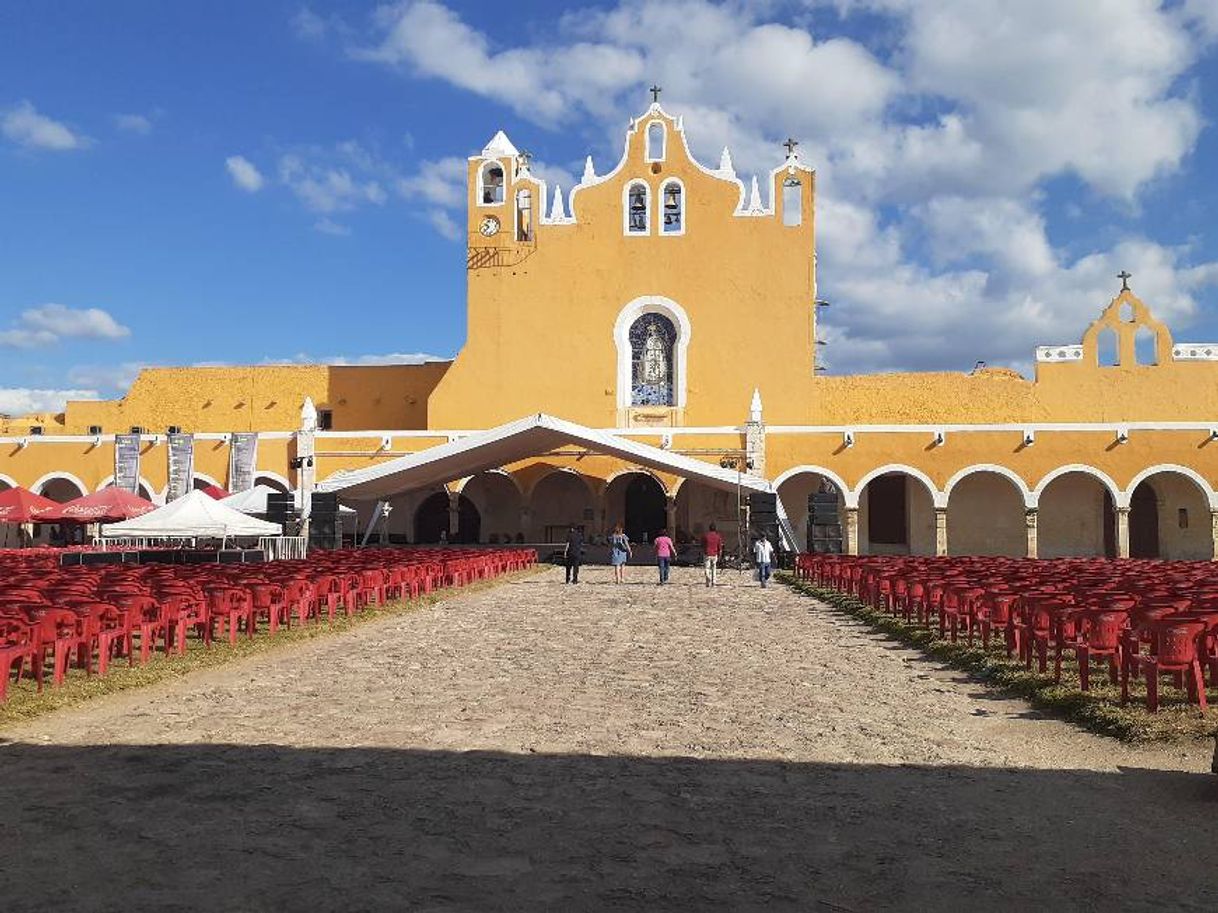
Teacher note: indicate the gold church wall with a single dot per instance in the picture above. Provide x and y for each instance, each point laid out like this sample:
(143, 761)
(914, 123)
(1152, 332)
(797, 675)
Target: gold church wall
(253, 398)
(542, 312)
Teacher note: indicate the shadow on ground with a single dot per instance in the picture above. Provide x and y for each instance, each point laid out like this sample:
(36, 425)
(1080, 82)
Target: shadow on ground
(205, 827)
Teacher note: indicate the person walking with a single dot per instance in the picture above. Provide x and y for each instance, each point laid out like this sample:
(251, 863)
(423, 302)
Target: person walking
(573, 553)
(763, 554)
(665, 550)
(619, 553)
(712, 548)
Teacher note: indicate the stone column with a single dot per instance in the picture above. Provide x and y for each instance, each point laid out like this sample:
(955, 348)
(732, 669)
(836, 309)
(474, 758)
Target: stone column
(526, 522)
(1214, 531)
(1031, 518)
(852, 531)
(670, 515)
(454, 514)
(940, 532)
(1122, 532)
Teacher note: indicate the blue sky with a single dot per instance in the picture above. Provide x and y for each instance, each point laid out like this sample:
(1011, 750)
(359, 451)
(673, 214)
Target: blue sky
(243, 182)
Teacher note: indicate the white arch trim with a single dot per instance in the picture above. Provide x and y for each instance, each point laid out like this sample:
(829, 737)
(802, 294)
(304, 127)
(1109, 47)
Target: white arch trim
(462, 484)
(1118, 496)
(642, 472)
(267, 474)
(651, 304)
(66, 476)
(204, 477)
(648, 199)
(157, 497)
(587, 482)
(9, 481)
(660, 208)
(817, 470)
(938, 498)
(1197, 479)
(1029, 500)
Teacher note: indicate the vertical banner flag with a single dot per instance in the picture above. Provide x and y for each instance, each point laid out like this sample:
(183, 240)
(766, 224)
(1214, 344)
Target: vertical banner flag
(181, 465)
(127, 462)
(242, 457)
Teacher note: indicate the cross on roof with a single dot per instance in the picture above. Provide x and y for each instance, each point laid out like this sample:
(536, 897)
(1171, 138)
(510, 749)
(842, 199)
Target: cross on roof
(525, 158)
(1124, 275)
(655, 92)
(790, 144)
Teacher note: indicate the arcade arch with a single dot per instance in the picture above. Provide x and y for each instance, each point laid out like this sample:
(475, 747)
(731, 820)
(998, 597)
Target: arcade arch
(557, 501)
(896, 512)
(498, 499)
(987, 513)
(796, 488)
(1076, 517)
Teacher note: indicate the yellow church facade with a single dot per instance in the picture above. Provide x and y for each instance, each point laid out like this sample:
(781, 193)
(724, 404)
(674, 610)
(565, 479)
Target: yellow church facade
(674, 305)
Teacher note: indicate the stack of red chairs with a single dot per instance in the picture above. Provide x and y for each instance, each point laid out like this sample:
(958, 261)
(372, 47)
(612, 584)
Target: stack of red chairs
(1140, 617)
(90, 615)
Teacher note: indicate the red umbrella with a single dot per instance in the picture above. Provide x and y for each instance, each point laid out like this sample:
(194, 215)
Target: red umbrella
(215, 491)
(20, 506)
(106, 506)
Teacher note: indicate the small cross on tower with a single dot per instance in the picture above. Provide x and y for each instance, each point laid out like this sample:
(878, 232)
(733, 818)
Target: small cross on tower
(1124, 275)
(790, 144)
(655, 93)
(525, 158)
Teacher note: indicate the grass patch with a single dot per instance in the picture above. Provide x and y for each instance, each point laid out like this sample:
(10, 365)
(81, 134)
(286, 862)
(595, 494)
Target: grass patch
(26, 702)
(1098, 710)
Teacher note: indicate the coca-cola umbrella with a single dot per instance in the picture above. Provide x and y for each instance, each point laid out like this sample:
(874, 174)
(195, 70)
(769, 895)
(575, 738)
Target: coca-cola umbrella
(110, 505)
(18, 505)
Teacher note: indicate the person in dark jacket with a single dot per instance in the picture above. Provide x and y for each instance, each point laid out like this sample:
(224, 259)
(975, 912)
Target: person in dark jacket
(573, 553)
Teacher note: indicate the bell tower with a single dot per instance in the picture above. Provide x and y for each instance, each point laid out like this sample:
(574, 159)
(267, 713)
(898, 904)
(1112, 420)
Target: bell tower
(504, 203)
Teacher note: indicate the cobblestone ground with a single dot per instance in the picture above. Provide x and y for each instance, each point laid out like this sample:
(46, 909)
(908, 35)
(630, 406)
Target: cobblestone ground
(536, 746)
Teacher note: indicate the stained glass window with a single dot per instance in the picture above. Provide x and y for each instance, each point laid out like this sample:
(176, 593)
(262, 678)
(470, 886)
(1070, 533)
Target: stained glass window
(652, 339)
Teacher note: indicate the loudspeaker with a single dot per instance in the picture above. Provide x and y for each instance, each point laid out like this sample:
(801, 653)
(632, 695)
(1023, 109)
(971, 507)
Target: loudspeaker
(325, 503)
(763, 504)
(280, 507)
(824, 509)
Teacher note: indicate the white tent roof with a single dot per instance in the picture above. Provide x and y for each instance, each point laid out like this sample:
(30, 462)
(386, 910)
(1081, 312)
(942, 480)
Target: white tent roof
(518, 440)
(195, 514)
(254, 500)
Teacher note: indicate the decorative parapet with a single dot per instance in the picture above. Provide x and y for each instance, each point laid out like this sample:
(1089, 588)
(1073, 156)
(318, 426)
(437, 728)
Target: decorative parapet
(1059, 353)
(1195, 351)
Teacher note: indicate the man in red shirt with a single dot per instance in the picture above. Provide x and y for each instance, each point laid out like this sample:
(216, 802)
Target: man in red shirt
(712, 548)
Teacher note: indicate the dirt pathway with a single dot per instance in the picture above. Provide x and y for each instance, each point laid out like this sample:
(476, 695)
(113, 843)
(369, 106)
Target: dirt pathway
(536, 747)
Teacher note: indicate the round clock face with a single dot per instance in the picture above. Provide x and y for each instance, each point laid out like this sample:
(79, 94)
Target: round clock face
(489, 226)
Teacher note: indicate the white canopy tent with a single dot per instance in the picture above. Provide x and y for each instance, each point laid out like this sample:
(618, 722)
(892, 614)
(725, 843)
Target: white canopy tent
(196, 514)
(254, 501)
(532, 436)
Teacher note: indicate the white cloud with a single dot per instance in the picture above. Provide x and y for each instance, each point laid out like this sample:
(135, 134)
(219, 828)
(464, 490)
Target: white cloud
(391, 358)
(445, 224)
(117, 378)
(441, 182)
(49, 323)
(133, 123)
(244, 173)
(330, 227)
(85, 323)
(24, 400)
(932, 149)
(26, 127)
(328, 188)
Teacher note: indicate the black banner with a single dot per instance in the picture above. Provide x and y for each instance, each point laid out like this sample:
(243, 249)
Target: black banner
(127, 462)
(181, 465)
(242, 457)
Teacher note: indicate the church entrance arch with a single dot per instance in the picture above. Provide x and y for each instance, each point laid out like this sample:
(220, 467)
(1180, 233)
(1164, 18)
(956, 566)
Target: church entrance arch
(432, 519)
(645, 508)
